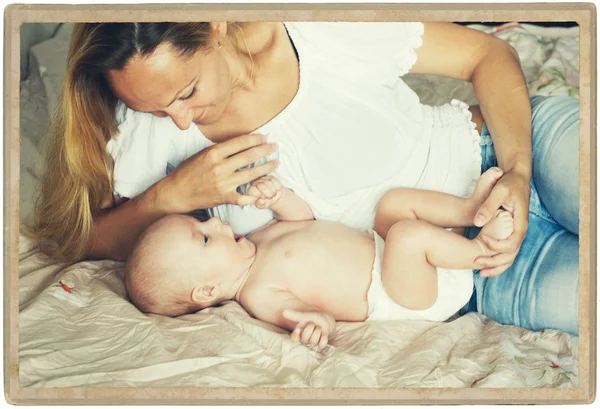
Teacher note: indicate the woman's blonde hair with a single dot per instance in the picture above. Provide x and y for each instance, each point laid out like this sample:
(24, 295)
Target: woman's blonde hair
(78, 175)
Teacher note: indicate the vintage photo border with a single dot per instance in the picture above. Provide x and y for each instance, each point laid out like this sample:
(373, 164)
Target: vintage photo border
(584, 14)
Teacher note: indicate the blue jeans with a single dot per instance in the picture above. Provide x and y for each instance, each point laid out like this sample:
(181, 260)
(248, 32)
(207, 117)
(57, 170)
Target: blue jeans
(540, 289)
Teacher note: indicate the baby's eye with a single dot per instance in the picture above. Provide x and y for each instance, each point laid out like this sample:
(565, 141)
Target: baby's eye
(191, 94)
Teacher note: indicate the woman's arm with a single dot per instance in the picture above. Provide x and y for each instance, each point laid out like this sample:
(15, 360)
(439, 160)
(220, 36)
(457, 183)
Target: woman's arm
(493, 67)
(116, 229)
(204, 180)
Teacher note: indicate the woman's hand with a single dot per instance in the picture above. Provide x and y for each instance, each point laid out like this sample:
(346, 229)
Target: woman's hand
(211, 177)
(511, 193)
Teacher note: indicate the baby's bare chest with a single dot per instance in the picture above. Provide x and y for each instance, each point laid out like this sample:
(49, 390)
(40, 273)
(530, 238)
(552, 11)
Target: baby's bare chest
(316, 258)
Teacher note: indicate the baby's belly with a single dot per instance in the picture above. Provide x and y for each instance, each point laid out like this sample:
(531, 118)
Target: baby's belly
(329, 265)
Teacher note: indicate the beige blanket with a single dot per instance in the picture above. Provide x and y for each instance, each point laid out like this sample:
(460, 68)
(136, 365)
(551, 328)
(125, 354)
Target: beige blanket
(78, 329)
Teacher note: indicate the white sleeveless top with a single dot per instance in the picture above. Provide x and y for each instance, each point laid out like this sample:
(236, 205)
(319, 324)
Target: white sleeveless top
(353, 131)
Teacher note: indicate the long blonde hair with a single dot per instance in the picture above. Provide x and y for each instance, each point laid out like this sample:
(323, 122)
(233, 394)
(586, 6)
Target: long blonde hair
(78, 174)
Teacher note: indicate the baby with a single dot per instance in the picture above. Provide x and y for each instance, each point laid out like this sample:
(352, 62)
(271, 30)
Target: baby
(304, 275)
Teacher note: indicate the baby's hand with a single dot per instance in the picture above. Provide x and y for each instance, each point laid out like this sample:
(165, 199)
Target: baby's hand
(312, 328)
(267, 191)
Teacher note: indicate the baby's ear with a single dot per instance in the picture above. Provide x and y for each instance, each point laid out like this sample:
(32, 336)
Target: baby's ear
(205, 295)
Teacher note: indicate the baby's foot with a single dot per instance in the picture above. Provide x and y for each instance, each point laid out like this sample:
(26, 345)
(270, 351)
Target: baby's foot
(500, 227)
(484, 186)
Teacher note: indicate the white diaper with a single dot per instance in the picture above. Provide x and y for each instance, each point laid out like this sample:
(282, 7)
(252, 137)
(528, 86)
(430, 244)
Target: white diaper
(454, 291)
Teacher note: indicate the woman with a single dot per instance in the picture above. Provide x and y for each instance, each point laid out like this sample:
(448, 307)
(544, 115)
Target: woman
(346, 129)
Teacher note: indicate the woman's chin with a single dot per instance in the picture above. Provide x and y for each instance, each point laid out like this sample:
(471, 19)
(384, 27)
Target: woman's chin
(208, 116)
(201, 120)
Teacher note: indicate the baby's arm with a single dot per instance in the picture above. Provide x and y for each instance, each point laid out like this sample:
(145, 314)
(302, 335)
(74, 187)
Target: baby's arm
(285, 204)
(307, 323)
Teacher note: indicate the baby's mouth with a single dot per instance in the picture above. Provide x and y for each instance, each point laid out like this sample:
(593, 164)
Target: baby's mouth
(238, 237)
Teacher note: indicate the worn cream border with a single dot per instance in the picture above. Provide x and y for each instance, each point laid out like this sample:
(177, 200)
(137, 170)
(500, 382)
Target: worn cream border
(582, 13)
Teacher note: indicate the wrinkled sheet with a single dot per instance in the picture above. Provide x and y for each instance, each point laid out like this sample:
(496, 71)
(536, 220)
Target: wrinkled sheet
(76, 327)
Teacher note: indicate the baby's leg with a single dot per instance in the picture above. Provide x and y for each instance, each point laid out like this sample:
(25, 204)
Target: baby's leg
(440, 209)
(413, 250)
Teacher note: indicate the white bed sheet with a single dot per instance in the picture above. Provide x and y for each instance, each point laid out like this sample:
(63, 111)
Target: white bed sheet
(77, 328)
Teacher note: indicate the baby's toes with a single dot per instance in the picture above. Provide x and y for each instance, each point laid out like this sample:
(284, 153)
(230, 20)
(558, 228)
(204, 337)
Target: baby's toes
(507, 224)
(502, 214)
(505, 217)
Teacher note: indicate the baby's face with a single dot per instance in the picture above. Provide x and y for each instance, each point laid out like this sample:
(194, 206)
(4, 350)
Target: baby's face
(209, 248)
(182, 264)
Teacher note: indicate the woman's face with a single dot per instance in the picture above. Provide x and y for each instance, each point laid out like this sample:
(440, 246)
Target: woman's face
(195, 89)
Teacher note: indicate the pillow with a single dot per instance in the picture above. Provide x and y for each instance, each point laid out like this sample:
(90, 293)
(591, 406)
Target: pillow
(49, 62)
(38, 94)
(31, 34)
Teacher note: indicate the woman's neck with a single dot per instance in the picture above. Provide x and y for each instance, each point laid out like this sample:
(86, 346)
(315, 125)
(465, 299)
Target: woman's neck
(247, 44)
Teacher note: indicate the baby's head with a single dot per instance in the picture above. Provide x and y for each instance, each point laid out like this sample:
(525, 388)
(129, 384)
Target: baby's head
(181, 265)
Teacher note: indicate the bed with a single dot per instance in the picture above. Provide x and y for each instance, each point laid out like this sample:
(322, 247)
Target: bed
(77, 328)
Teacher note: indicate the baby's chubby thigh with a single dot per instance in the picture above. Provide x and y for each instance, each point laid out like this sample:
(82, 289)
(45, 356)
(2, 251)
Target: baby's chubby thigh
(406, 274)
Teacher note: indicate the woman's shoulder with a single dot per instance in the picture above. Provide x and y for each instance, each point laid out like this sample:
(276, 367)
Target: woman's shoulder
(360, 45)
(356, 33)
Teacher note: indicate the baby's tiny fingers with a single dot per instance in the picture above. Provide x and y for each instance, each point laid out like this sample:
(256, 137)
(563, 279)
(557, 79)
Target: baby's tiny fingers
(307, 333)
(277, 196)
(315, 337)
(271, 188)
(260, 204)
(259, 185)
(254, 191)
(323, 341)
(295, 335)
(276, 184)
